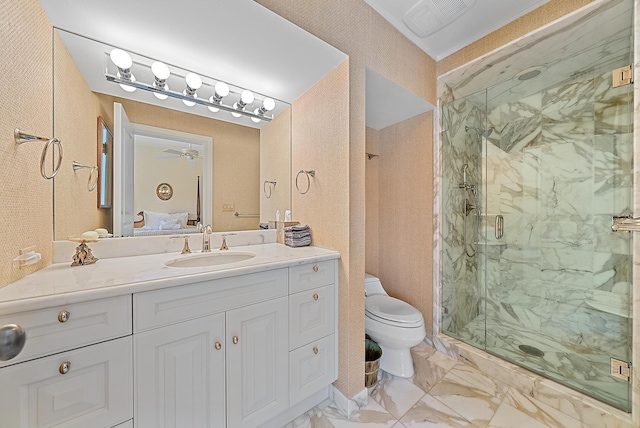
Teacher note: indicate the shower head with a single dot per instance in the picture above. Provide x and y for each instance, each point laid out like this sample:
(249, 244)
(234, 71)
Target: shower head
(481, 132)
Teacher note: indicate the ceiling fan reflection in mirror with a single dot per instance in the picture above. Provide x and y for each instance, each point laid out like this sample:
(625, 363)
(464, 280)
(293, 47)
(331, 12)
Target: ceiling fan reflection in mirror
(185, 153)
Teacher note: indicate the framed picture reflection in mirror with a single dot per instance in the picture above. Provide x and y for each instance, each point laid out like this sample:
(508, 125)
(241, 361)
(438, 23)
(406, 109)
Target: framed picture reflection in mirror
(105, 165)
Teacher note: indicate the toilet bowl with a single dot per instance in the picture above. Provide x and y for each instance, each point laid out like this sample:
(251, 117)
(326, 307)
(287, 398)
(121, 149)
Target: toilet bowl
(395, 325)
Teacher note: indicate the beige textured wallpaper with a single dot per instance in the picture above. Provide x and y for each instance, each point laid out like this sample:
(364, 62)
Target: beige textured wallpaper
(405, 250)
(75, 122)
(26, 102)
(535, 19)
(370, 41)
(236, 158)
(275, 164)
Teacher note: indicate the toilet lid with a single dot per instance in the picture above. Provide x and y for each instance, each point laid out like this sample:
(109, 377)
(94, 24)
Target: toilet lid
(392, 311)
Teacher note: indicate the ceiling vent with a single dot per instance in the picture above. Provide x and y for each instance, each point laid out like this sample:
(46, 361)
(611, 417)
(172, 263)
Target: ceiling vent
(428, 16)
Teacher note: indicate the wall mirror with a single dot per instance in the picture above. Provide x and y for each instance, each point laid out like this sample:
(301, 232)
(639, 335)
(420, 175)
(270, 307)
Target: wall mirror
(268, 55)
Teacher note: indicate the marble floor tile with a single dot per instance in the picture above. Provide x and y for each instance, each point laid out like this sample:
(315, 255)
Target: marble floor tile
(397, 395)
(431, 413)
(509, 417)
(539, 411)
(427, 372)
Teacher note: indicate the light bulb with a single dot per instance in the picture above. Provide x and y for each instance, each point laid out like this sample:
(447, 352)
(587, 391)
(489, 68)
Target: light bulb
(213, 109)
(160, 70)
(128, 88)
(268, 104)
(121, 59)
(186, 102)
(246, 97)
(222, 89)
(193, 81)
(255, 119)
(234, 114)
(159, 95)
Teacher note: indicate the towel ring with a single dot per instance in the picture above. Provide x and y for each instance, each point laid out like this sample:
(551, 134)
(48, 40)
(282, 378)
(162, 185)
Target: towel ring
(93, 175)
(272, 184)
(21, 138)
(311, 173)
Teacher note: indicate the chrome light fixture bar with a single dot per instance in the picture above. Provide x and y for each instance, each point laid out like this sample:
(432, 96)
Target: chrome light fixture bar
(189, 96)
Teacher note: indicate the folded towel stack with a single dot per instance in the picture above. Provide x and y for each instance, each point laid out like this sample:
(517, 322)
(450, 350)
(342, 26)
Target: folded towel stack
(297, 236)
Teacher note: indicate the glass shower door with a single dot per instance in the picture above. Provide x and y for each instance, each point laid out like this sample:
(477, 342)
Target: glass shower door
(559, 165)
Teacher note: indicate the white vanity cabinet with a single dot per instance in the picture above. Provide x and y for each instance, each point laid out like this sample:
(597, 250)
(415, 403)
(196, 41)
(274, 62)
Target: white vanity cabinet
(226, 369)
(87, 383)
(312, 338)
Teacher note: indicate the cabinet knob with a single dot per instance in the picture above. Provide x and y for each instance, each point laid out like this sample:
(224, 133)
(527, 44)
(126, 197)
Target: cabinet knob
(315, 296)
(63, 316)
(218, 345)
(65, 367)
(315, 349)
(315, 268)
(235, 340)
(12, 339)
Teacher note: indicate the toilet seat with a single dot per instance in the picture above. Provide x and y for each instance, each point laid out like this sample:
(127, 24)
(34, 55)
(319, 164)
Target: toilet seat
(389, 310)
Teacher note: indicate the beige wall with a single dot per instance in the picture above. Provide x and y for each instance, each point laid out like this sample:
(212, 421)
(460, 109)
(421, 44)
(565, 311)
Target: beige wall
(535, 19)
(26, 103)
(236, 158)
(370, 41)
(76, 209)
(372, 175)
(275, 164)
(405, 212)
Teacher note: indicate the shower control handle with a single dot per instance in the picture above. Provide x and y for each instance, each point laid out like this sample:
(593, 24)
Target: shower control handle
(499, 226)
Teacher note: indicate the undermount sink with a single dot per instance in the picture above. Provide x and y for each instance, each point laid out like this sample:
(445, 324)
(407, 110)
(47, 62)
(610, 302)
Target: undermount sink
(213, 259)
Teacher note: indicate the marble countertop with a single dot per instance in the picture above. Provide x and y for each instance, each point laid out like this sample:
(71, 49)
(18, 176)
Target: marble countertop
(60, 283)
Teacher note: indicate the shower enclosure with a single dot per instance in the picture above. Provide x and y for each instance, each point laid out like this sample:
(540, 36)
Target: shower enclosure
(533, 170)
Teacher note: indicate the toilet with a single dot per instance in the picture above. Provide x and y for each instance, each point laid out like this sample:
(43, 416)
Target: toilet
(395, 325)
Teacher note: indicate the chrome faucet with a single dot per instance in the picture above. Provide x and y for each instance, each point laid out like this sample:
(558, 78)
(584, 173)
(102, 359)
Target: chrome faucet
(186, 249)
(206, 237)
(224, 241)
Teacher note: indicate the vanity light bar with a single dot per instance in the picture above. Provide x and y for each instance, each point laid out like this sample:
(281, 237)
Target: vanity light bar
(254, 115)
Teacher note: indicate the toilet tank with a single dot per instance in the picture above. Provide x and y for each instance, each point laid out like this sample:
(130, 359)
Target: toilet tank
(372, 285)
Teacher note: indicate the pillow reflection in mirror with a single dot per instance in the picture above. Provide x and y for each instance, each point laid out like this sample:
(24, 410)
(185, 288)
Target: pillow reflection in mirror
(162, 221)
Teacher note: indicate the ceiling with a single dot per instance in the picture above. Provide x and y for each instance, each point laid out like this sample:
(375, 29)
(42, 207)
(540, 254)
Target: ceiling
(478, 18)
(236, 41)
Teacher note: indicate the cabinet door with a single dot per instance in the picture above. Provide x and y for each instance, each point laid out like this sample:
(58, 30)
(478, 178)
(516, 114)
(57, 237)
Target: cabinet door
(86, 387)
(180, 375)
(257, 363)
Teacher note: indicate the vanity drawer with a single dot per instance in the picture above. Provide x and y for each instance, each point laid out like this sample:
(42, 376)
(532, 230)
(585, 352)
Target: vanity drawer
(169, 306)
(312, 367)
(311, 275)
(64, 327)
(311, 315)
(95, 391)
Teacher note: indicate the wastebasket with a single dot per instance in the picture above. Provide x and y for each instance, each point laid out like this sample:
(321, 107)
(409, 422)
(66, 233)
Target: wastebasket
(372, 355)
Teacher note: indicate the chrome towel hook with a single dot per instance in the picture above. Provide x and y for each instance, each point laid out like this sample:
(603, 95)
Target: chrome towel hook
(311, 173)
(21, 138)
(93, 174)
(272, 185)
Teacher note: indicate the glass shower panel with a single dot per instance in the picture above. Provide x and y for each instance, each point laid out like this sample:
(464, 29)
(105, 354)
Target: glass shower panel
(559, 165)
(463, 270)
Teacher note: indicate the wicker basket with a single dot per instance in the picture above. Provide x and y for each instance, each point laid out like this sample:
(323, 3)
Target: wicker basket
(373, 353)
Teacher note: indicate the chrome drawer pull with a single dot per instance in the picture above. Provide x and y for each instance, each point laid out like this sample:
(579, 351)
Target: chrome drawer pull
(315, 349)
(64, 316)
(218, 345)
(65, 367)
(235, 340)
(315, 296)
(315, 268)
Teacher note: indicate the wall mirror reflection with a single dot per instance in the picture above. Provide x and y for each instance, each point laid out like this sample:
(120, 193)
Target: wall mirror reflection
(105, 164)
(273, 59)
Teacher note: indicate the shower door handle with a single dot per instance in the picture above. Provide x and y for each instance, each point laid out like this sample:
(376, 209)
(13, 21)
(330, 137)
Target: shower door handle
(625, 223)
(499, 226)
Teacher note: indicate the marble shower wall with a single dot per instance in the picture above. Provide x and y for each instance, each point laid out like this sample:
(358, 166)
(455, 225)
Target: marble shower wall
(461, 292)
